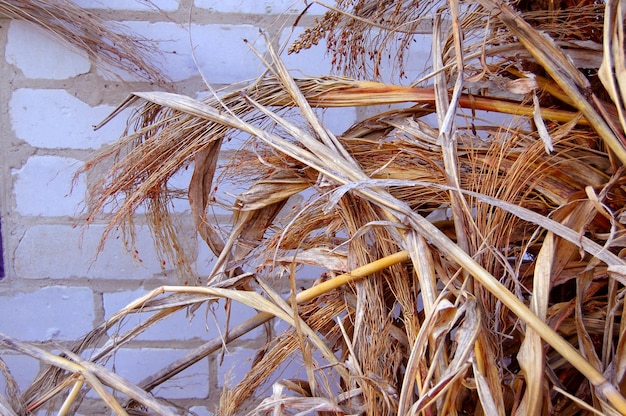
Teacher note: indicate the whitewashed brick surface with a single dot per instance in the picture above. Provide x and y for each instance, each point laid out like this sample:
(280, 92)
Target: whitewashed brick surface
(23, 369)
(221, 54)
(203, 324)
(308, 62)
(39, 55)
(180, 182)
(137, 364)
(234, 365)
(57, 251)
(256, 6)
(201, 411)
(50, 313)
(55, 119)
(316, 61)
(43, 187)
(135, 5)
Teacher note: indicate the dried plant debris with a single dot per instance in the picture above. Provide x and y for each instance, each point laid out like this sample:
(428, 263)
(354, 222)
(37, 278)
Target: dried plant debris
(107, 44)
(472, 264)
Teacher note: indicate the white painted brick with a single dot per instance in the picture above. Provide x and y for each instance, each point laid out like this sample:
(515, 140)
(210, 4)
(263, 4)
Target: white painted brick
(137, 5)
(258, 6)
(136, 364)
(417, 60)
(50, 313)
(338, 120)
(235, 365)
(203, 324)
(180, 181)
(175, 327)
(62, 251)
(172, 41)
(221, 53)
(316, 61)
(41, 56)
(56, 119)
(308, 62)
(43, 186)
(22, 368)
(201, 411)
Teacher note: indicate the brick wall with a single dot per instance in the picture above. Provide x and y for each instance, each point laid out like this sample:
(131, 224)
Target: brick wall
(52, 287)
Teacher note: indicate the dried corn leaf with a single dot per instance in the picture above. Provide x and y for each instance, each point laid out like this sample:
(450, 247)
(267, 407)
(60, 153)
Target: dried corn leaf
(612, 72)
(531, 354)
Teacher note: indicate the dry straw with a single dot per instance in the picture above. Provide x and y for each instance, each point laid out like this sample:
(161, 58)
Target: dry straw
(112, 46)
(470, 265)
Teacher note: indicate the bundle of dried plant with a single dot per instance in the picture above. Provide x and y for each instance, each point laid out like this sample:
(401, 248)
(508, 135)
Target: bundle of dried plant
(110, 45)
(476, 266)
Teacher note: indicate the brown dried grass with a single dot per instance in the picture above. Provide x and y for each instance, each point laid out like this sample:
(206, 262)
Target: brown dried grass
(109, 45)
(480, 264)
